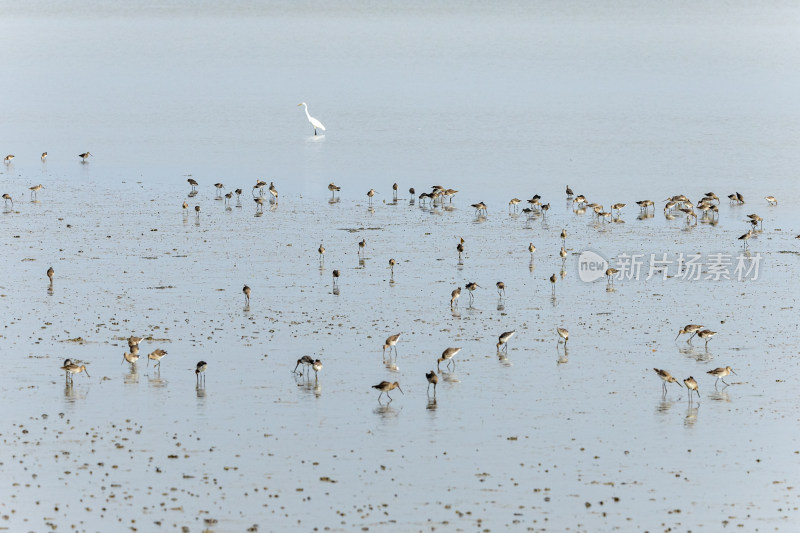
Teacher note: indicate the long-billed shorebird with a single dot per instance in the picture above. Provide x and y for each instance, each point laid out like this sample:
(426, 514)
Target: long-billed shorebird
(192, 182)
(7, 198)
(156, 355)
(706, 335)
(531, 249)
(333, 188)
(259, 203)
(362, 247)
(34, 190)
(370, 194)
(197, 211)
(306, 361)
(44, 156)
(71, 369)
(448, 355)
(691, 385)
(131, 357)
(569, 192)
(273, 191)
(321, 252)
(746, 237)
(133, 342)
(514, 203)
(471, 286)
(501, 288)
(260, 184)
(246, 290)
(335, 277)
(720, 374)
(564, 334)
(454, 296)
(460, 249)
(391, 342)
(553, 279)
(385, 387)
(771, 200)
(691, 329)
(316, 366)
(666, 377)
(433, 379)
(200, 371)
(7, 159)
(610, 273)
(219, 187)
(394, 191)
(392, 262)
(84, 156)
(503, 339)
(50, 273)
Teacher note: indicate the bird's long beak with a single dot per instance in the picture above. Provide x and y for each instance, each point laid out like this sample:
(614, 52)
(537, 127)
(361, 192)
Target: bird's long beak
(401, 390)
(679, 384)
(734, 373)
(87, 373)
(679, 334)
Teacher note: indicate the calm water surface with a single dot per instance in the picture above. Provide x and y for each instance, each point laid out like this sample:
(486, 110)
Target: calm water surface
(621, 102)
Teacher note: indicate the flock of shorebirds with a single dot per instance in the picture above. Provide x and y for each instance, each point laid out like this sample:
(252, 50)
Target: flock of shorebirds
(708, 205)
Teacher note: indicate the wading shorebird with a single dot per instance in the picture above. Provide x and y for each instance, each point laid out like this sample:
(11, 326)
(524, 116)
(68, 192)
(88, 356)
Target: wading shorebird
(316, 366)
(394, 191)
(690, 329)
(706, 335)
(71, 369)
(531, 249)
(200, 371)
(720, 374)
(333, 188)
(564, 334)
(471, 286)
(306, 361)
(260, 184)
(667, 378)
(133, 342)
(501, 288)
(746, 237)
(259, 203)
(131, 357)
(392, 262)
(335, 277)
(185, 207)
(228, 196)
(503, 340)
(44, 156)
(563, 237)
(246, 291)
(448, 355)
(321, 252)
(553, 279)
(570, 194)
(7, 198)
(197, 211)
(7, 159)
(34, 190)
(618, 208)
(771, 200)
(563, 255)
(385, 387)
(219, 187)
(433, 379)
(361, 247)
(84, 156)
(480, 207)
(610, 273)
(314, 122)
(513, 203)
(691, 385)
(412, 192)
(391, 342)
(454, 296)
(273, 191)
(370, 194)
(460, 249)
(193, 183)
(156, 355)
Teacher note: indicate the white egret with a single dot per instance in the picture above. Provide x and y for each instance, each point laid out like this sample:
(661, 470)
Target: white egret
(314, 122)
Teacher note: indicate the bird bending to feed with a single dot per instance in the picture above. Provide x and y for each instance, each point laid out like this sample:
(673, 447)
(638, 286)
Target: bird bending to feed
(771, 200)
(314, 122)
(564, 334)
(666, 377)
(386, 386)
(200, 371)
(131, 357)
(706, 335)
(720, 374)
(433, 379)
(71, 368)
(192, 182)
(306, 361)
(156, 355)
(391, 342)
(689, 328)
(448, 355)
(503, 339)
(246, 291)
(8, 158)
(610, 272)
(454, 296)
(7, 198)
(691, 385)
(35, 190)
(84, 156)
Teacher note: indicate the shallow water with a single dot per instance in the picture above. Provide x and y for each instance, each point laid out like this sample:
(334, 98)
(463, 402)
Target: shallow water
(536, 438)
